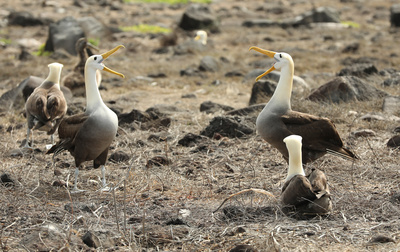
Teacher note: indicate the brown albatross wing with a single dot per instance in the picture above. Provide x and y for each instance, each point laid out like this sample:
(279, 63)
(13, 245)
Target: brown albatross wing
(319, 136)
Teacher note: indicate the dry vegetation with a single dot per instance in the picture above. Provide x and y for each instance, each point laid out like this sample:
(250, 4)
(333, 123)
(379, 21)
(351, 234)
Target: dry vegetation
(148, 202)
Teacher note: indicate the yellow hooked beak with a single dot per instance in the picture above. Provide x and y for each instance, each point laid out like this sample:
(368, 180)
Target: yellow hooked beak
(106, 55)
(269, 54)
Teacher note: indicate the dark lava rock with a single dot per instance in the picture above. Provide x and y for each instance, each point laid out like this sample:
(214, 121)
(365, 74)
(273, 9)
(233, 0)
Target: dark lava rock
(162, 110)
(192, 72)
(234, 73)
(198, 16)
(91, 240)
(134, 115)
(260, 23)
(349, 61)
(211, 107)
(394, 142)
(243, 248)
(6, 179)
(381, 239)
(190, 140)
(160, 137)
(395, 15)
(176, 221)
(98, 239)
(393, 80)
(209, 64)
(157, 124)
(227, 127)
(358, 70)
(24, 18)
(252, 110)
(351, 48)
(119, 156)
(63, 35)
(75, 207)
(158, 161)
(261, 91)
(189, 96)
(345, 88)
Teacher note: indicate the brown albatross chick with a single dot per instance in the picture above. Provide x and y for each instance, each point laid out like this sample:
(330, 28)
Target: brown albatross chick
(88, 136)
(307, 195)
(46, 106)
(277, 120)
(75, 80)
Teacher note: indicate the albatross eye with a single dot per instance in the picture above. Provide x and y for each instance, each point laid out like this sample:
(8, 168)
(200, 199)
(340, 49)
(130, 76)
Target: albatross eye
(280, 56)
(95, 58)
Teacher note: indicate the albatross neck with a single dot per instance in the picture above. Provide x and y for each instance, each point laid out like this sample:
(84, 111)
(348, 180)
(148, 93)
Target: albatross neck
(93, 98)
(53, 79)
(295, 163)
(283, 91)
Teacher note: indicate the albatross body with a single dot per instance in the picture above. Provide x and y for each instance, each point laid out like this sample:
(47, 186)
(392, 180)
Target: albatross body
(88, 136)
(307, 195)
(46, 105)
(277, 120)
(75, 80)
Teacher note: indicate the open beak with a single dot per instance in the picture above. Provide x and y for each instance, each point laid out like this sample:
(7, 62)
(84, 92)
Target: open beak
(106, 55)
(269, 54)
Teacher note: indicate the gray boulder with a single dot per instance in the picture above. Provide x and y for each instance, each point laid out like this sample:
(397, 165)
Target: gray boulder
(359, 70)
(318, 15)
(63, 35)
(395, 15)
(93, 28)
(210, 107)
(24, 18)
(227, 127)
(199, 16)
(209, 64)
(344, 89)
(261, 91)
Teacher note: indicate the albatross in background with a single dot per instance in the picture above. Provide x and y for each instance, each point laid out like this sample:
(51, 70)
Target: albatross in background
(75, 80)
(277, 120)
(46, 105)
(201, 36)
(308, 195)
(88, 136)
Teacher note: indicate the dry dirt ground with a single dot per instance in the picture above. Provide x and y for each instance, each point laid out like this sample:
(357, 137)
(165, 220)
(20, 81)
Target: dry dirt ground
(170, 207)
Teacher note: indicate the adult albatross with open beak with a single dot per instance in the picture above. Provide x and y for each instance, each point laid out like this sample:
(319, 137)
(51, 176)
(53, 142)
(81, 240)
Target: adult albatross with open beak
(306, 195)
(88, 136)
(277, 120)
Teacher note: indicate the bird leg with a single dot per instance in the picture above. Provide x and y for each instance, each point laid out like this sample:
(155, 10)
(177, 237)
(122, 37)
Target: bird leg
(75, 189)
(28, 132)
(103, 182)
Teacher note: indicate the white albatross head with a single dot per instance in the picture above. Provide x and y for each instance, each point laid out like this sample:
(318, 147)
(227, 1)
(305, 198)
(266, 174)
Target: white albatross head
(201, 36)
(282, 59)
(96, 61)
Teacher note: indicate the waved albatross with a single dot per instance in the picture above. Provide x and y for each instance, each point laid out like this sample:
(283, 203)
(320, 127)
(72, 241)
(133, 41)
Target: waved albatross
(75, 80)
(201, 36)
(308, 195)
(46, 105)
(277, 120)
(88, 136)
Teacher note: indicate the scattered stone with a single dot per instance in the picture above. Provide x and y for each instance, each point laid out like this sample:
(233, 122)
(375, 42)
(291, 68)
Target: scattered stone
(261, 92)
(318, 15)
(197, 17)
(234, 73)
(192, 72)
(372, 117)
(344, 89)
(157, 124)
(77, 206)
(211, 107)
(243, 248)
(227, 127)
(63, 35)
(209, 64)
(158, 161)
(24, 18)
(393, 80)
(160, 137)
(363, 133)
(119, 157)
(190, 140)
(351, 48)
(93, 28)
(6, 179)
(391, 105)
(395, 15)
(260, 23)
(162, 110)
(251, 111)
(189, 96)
(358, 70)
(381, 239)
(98, 239)
(176, 221)
(133, 116)
(394, 142)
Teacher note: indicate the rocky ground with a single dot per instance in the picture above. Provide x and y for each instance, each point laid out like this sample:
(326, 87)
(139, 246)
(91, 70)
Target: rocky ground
(169, 178)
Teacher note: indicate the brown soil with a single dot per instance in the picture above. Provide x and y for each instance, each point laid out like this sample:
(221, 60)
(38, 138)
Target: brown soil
(147, 211)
